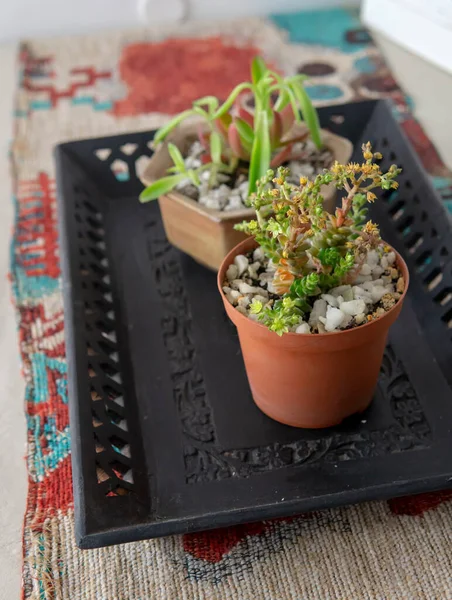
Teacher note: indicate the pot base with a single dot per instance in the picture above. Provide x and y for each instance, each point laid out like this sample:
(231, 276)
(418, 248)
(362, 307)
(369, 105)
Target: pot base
(313, 423)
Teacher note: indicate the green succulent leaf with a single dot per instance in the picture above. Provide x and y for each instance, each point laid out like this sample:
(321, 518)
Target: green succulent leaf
(308, 111)
(161, 186)
(215, 147)
(261, 151)
(166, 129)
(245, 131)
(176, 157)
(258, 69)
(210, 101)
(231, 99)
(306, 286)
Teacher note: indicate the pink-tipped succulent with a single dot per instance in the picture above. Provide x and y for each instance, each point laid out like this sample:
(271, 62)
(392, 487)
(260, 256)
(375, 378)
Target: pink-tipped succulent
(232, 132)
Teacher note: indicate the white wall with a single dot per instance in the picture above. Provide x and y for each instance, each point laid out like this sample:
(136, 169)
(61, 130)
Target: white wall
(25, 18)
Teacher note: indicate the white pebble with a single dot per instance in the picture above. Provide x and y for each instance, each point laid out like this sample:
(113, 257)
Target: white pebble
(347, 320)
(384, 262)
(363, 278)
(332, 301)
(245, 288)
(360, 294)
(271, 288)
(360, 318)
(377, 271)
(378, 292)
(241, 263)
(260, 298)
(340, 299)
(318, 310)
(390, 257)
(234, 203)
(334, 318)
(258, 254)
(303, 328)
(365, 269)
(226, 289)
(369, 285)
(373, 258)
(348, 295)
(340, 290)
(244, 301)
(232, 272)
(386, 279)
(354, 307)
(243, 190)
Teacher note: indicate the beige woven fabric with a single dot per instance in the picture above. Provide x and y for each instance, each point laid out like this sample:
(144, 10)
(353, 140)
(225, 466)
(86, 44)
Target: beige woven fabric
(75, 88)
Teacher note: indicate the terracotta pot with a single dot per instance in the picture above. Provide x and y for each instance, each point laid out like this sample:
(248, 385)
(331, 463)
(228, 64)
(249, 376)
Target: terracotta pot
(311, 380)
(205, 234)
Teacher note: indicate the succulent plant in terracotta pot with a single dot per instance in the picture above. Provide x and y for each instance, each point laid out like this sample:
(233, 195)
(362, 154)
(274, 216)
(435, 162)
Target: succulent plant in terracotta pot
(313, 294)
(209, 158)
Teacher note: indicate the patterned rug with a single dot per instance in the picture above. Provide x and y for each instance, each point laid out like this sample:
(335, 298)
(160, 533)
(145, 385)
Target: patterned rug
(105, 84)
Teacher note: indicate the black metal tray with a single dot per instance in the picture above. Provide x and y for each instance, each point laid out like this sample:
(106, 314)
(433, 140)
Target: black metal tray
(165, 436)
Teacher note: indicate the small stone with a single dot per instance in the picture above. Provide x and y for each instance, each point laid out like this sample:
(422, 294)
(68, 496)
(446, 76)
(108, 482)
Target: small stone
(242, 310)
(377, 293)
(265, 278)
(394, 273)
(359, 319)
(365, 269)
(234, 203)
(235, 283)
(260, 298)
(241, 263)
(379, 312)
(346, 321)
(377, 271)
(386, 279)
(373, 258)
(363, 278)
(321, 327)
(244, 301)
(353, 308)
(332, 301)
(258, 254)
(390, 257)
(384, 262)
(340, 290)
(369, 285)
(303, 328)
(348, 295)
(334, 318)
(271, 288)
(388, 301)
(226, 289)
(211, 203)
(245, 288)
(318, 310)
(235, 294)
(400, 285)
(340, 299)
(192, 163)
(243, 190)
(232, 272)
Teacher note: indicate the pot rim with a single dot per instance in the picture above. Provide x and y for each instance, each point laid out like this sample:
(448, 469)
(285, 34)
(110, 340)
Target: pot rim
(242, 318)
